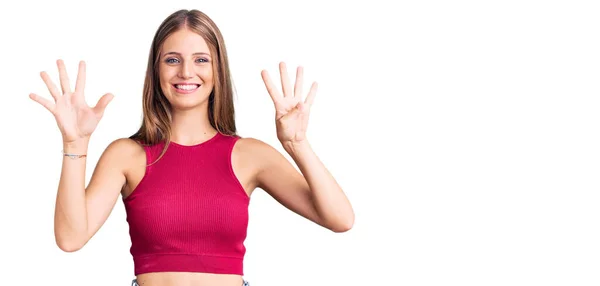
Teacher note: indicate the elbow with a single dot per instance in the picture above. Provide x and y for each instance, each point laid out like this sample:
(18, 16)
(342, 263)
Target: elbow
(70, 239)
(344, 225)
(341, 229)
(69, 245)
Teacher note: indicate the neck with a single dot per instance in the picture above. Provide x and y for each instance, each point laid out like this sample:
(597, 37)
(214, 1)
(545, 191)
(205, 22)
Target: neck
(190, 127)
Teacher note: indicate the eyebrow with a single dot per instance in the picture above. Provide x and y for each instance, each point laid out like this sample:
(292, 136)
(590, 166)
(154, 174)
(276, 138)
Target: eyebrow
(179, 54)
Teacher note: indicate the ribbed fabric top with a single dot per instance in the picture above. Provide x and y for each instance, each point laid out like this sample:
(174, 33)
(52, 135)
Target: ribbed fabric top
(189, 212)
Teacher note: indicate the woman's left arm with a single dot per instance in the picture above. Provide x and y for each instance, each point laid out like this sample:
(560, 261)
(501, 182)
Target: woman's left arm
(311, 192)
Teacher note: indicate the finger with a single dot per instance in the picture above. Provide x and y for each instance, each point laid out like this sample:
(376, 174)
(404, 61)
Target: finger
(44, 102)
(298, 84)
(301, 107)
(270, 86)
(311, 94)
(64, 78)
(285, 80)
(80, 83)
(295, 112)
(50, 85)
(102, 103)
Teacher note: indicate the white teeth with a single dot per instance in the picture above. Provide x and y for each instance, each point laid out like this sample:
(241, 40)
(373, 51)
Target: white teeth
(186, 86)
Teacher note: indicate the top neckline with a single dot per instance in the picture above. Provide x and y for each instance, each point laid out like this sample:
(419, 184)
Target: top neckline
(198, 144)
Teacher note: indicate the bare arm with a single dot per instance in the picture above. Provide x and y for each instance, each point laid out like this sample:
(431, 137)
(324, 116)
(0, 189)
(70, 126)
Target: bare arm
(328, 198)
(312, 193)
(81, 211)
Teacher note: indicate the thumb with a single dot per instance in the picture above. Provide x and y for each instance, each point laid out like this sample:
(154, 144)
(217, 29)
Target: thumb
(102, 103)
(294, 113)
(297, 110)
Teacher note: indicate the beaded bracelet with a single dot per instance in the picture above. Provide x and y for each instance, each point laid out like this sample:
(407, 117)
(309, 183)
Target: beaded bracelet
(73, 156)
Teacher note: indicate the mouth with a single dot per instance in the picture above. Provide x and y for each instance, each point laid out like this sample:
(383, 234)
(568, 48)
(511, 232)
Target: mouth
(186, 87)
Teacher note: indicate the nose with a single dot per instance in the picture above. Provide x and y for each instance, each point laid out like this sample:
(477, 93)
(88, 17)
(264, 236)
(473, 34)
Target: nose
(187, 70)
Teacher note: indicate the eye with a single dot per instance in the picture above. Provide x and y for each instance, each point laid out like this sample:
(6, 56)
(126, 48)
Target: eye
(202, 60)
(171, 60)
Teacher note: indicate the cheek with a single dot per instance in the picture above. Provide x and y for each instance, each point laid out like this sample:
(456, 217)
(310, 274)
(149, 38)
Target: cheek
(206, 75)
(165, 76)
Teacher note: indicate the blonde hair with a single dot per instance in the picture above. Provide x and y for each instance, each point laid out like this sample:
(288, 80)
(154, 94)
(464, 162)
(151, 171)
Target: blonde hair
(156, 123)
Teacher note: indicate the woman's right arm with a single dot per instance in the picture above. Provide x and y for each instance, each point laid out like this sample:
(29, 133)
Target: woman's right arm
(80, 211)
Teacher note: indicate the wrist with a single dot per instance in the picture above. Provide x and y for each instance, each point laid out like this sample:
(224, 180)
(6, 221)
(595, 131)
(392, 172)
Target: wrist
(294, 148)
(79, 146)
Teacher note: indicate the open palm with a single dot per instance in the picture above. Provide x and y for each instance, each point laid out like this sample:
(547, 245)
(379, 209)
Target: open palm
(291, 110)
(76, 120)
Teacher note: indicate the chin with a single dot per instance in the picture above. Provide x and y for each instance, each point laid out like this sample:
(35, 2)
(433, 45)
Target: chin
(188, 102)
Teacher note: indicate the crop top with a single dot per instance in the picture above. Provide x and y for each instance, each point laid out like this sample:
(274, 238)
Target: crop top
(189, 213)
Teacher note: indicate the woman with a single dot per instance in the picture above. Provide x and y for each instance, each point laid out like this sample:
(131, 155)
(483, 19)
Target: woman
(185, 176)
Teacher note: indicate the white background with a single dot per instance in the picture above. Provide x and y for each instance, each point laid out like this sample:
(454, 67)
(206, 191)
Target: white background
(465, 134)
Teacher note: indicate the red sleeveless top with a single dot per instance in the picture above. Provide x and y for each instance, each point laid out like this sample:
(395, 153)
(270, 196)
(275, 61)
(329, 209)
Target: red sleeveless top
(189, 212)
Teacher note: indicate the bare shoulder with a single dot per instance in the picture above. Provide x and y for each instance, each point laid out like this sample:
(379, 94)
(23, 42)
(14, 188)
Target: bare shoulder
(277, 176)
(254, 150)
(250, 143)
(120, 157)
(130, 158)
(249, 158)
(109, 178)
(124, 147)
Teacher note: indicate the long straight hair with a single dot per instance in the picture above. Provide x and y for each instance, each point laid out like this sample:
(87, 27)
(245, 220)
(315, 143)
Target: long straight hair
(157, 113)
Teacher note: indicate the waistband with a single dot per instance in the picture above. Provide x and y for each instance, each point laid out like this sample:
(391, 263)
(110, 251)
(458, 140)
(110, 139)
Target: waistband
(134, 283)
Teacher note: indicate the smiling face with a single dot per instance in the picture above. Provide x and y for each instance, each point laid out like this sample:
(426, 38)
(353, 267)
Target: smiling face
(186, 70)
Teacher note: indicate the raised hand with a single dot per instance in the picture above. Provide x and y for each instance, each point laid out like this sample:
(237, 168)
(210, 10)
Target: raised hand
(76, 120)
(291, 110)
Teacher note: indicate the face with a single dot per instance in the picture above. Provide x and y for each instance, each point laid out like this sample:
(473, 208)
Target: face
(185, 70)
